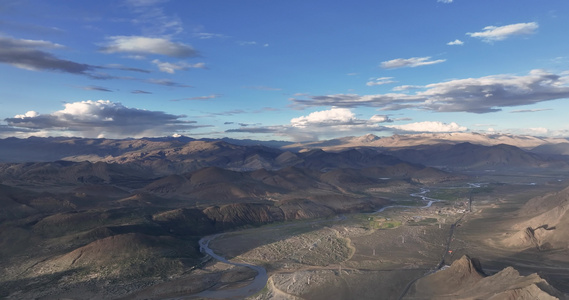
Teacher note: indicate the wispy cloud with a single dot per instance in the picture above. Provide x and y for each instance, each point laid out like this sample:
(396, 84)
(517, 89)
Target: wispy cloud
(96, 88)
(179, 66)
(166, 82)
(103, 119)
(380, 81)
(152, 19)
(124, 68)
(140, 92)
(209, 97)
(499, 33)
(208, 35)
(530, 110)
(410, 62)
(445, 1)
(475, 95)
(246, 43)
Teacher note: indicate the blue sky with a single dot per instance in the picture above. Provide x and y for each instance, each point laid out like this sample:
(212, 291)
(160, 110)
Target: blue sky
(288, 70)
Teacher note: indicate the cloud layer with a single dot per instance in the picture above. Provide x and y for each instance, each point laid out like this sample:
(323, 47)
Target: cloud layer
(101, 119)
(474, 95)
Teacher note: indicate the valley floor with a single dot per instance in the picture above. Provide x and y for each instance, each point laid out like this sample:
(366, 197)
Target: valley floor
(366, 256)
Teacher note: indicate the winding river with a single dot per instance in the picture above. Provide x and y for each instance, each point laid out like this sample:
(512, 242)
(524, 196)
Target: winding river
(420, 194)
(238, 293)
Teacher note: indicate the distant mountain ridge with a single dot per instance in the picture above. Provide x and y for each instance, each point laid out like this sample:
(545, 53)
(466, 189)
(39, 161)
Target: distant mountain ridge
(421, 139)
(38, 149)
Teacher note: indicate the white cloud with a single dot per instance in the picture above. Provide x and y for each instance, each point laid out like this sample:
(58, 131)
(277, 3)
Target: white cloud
(456, 42)
(380, 81)
(29, 114)
(379, 119)
(180, 66)
(476, 95)
(106, 118)
(410, 62)
(147, 45)
(332, 116)
(445, 1)
(499, 33)
(429, 126)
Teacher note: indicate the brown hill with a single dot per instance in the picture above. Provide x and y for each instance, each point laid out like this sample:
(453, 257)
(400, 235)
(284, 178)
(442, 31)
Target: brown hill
(15, 203)
(464, 279)
(125, 256)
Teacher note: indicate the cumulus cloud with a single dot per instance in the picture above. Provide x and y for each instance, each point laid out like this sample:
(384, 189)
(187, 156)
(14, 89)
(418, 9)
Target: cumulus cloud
(26, 54)
(380, 81)
(147, 45)
(475, 95)
(499, 33)
(180, 66)
(319, 124)
(428, 126)
(456, 42)
(410, 62)
(102, 119)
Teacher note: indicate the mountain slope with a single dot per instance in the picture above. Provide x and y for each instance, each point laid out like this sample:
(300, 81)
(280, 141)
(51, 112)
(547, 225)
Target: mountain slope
(464, 279)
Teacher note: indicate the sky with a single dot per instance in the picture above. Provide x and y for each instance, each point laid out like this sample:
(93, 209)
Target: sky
(295, 70)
